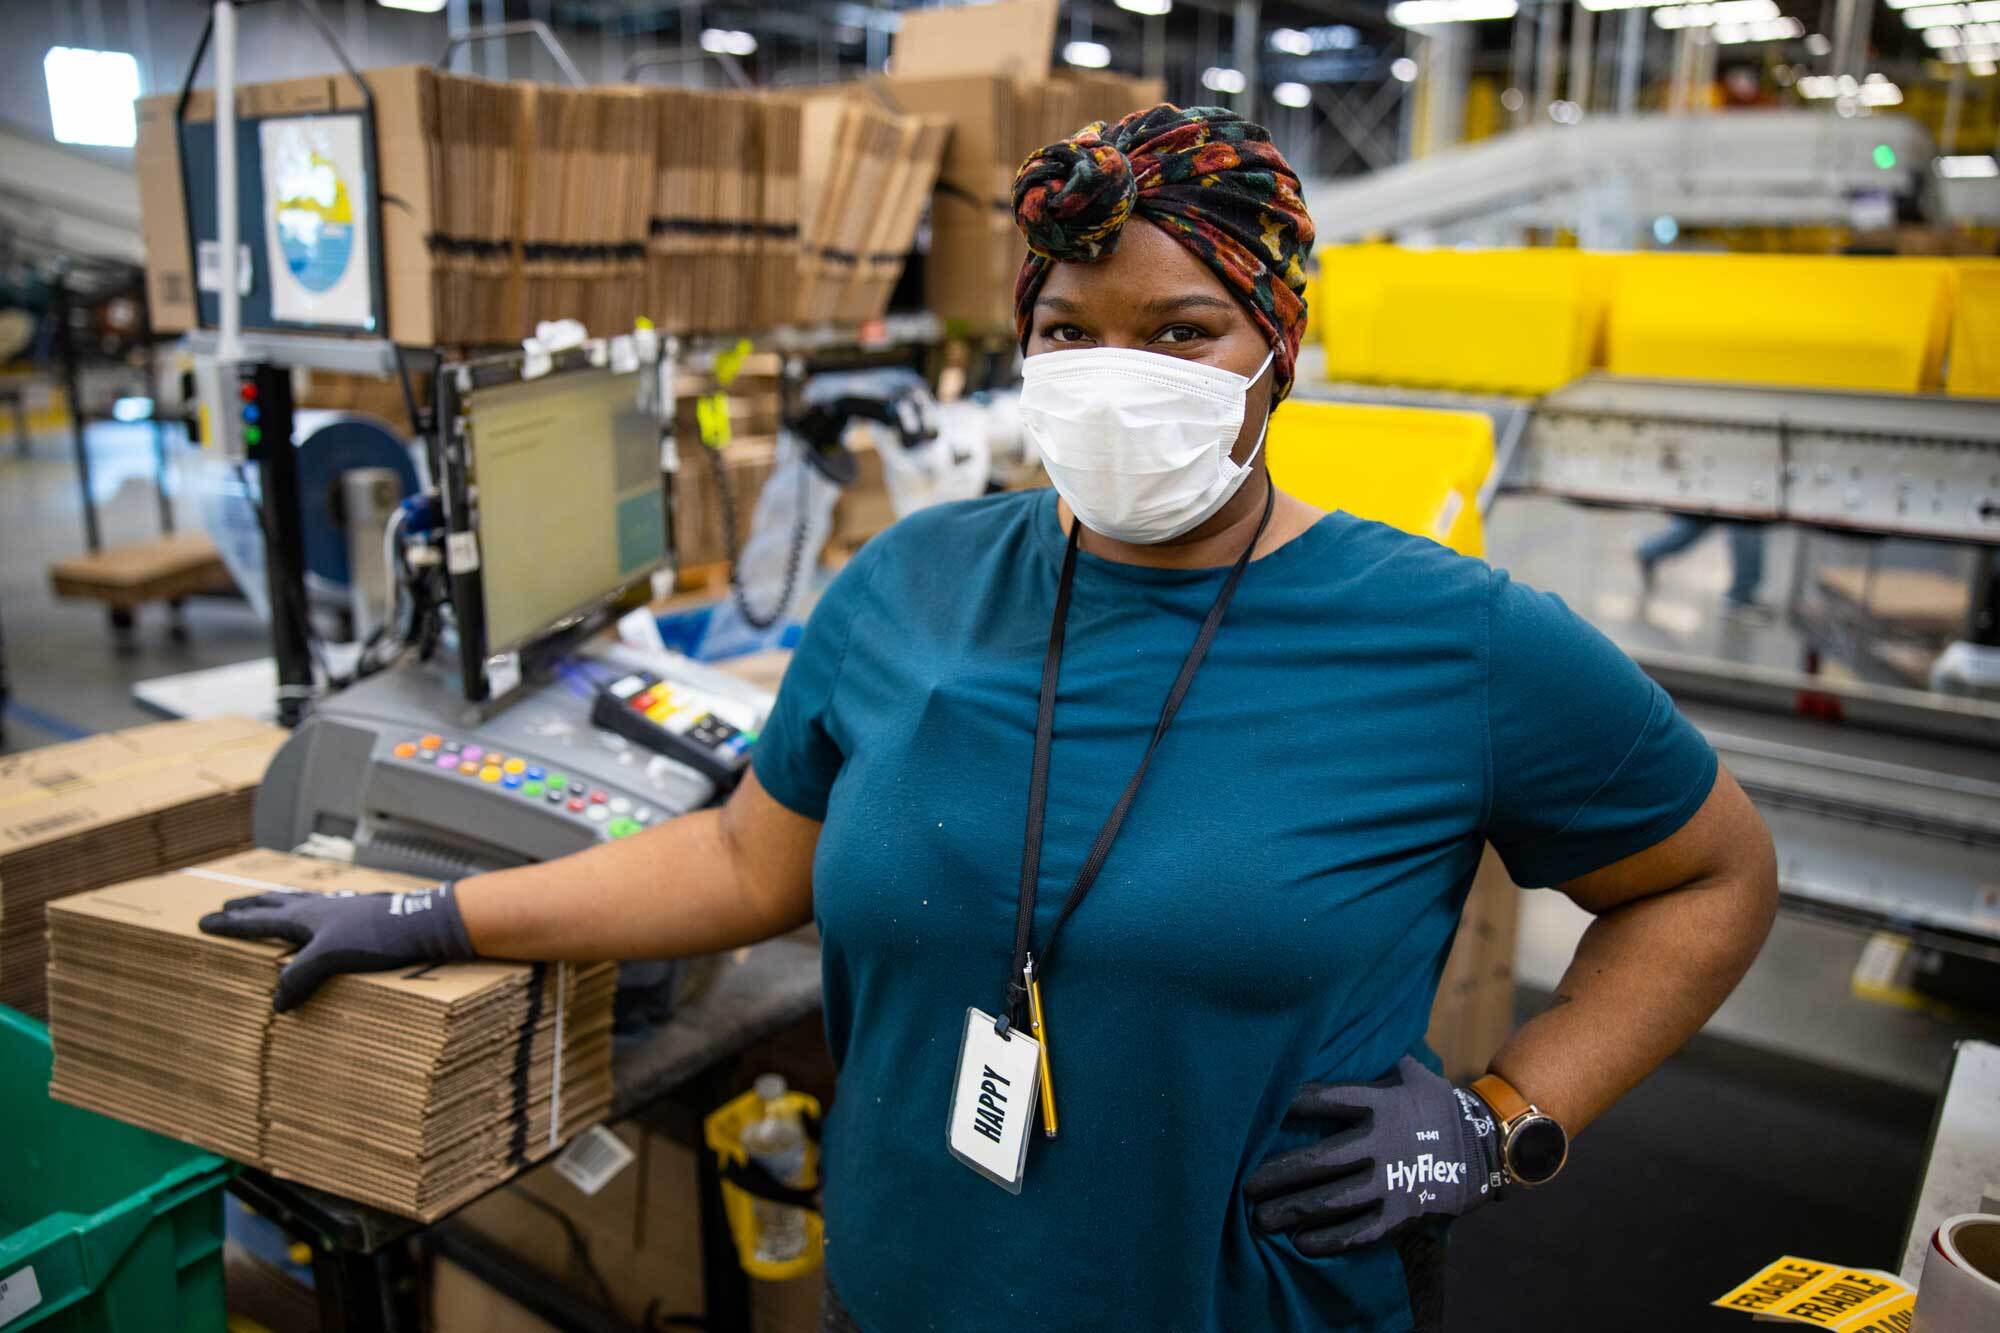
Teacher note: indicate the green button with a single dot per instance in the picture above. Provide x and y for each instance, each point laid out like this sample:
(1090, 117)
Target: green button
(557, 782)
(623, 828)
(531, 789)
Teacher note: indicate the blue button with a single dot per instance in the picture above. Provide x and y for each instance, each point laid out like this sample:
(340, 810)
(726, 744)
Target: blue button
(511, 780)
(251, 413)
(535, 773)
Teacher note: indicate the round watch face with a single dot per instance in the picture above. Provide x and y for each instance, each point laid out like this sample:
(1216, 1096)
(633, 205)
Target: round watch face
(1535, 1150)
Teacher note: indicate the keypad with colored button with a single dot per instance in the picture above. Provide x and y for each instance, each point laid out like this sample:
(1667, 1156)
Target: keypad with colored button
(677, 721)
(613, 815)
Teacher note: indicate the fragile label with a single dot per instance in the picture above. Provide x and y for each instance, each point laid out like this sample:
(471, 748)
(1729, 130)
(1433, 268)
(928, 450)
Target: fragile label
(1819, 1295)
(19, 1293)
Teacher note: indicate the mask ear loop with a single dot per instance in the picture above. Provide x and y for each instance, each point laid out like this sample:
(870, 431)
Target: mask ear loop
(1265, 429)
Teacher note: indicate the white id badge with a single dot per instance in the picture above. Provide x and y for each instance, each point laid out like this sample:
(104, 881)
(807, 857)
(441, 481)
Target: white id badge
(993, 1101)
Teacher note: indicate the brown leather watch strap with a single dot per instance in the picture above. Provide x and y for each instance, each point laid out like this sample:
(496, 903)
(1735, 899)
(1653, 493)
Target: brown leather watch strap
(1507, 1104)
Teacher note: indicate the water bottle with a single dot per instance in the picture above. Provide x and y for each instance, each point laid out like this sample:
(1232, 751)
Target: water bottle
(777, 1142)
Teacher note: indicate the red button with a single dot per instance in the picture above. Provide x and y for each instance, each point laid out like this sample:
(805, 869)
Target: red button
(249, 392)
(598, 798)
(643, 700)
(576, 806)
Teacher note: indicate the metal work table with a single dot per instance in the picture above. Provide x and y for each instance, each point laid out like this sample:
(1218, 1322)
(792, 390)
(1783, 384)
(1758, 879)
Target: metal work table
(365, 1270)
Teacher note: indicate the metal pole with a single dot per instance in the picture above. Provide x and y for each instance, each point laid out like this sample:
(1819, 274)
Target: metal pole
(1156, 47)
(1548, 32)
(91, 535)
(1247, 28)
(493, 13)
(1631, 55)
(228, 301)
(1520, 59)
(1954, 96)
(1843, 36)
(1582, 47)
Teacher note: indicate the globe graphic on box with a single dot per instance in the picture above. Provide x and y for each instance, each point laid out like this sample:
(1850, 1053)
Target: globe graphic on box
(315, 222)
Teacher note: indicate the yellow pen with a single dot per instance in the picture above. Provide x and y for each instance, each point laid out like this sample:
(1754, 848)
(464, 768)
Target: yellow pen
(1041, 1034)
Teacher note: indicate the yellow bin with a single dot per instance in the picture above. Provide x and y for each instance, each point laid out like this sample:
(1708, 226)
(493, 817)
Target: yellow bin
(1414, 468)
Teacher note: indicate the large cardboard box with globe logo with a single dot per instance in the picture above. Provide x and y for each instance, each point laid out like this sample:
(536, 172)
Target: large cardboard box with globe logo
(313, 254)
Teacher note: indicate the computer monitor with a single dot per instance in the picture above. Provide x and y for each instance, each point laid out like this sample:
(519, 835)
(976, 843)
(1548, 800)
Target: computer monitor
(556, 480)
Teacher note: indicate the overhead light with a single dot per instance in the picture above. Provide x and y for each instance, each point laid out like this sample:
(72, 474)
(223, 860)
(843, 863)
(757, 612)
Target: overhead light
(141, 409)
(1708, 16)
(1818, 44)
(1935, 16)
(1087, 55)
(728, 41)
(1771, 30)
(1403, 69)
(1983, 68)
(414, 6)
(1291, 41)
(1665, 230)
(1602, 5)
(1423, 13)
(1977, 167)
(1565, 112)
(1218, 79)
(1292, 94)
(1150, 8)
(1512, 99)
(1818, 87)
(1883, 93)
(91, 95)
(1939, 38)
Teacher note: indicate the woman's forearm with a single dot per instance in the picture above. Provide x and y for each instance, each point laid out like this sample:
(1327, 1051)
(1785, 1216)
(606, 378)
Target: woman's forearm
(704, 882)
(1645, 977)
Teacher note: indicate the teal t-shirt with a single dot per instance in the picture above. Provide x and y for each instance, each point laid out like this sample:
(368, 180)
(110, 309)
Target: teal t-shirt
(1275, 911)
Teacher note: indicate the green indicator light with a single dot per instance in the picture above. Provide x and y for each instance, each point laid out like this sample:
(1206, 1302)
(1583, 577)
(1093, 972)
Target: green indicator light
(557, 782)
(1885, 156)
(531, 789)
(252, 436)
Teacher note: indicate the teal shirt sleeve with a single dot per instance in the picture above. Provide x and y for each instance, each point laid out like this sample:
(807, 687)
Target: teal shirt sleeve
(1588, 759)
(801, 748)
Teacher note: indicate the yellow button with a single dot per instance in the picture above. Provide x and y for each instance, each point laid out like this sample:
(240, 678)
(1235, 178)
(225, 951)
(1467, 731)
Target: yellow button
(467, 767)
(658, 712)
(489, 774)
(406, 750)
(431, 742)
(515, 765)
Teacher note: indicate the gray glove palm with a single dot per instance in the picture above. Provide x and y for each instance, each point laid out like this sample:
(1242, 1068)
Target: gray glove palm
(1407, 1146)
(346, 932)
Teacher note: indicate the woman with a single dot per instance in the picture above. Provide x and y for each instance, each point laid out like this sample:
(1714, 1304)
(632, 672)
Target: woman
(1249, 946)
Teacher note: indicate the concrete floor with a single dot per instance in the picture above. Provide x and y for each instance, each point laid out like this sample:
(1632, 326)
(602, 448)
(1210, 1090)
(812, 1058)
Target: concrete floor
(70, 673)
(1706, 1171)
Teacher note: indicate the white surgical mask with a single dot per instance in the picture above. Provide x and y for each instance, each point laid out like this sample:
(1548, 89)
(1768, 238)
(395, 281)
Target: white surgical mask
(1137, 442)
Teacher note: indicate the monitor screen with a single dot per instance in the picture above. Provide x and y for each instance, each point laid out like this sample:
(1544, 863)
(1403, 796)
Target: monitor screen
(569, 497)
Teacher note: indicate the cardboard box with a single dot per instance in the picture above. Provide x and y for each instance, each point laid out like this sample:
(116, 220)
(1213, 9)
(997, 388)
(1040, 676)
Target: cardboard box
(414, 1091)
(114, 807)
(1474, 1010)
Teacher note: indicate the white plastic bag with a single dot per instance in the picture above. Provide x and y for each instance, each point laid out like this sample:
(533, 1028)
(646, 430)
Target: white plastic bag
(778, 553)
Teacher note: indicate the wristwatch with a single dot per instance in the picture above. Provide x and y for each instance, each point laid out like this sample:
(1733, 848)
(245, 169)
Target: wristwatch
(1533, 1143)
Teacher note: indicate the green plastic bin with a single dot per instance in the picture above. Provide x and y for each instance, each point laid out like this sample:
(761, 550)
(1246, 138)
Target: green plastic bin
(103, 1225)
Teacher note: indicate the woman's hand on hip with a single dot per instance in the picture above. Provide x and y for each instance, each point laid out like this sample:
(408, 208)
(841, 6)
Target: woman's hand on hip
(1403, 1147)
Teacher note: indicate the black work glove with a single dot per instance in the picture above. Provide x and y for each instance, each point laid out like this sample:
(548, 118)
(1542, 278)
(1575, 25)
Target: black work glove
(346, 932)
(1407, 1146)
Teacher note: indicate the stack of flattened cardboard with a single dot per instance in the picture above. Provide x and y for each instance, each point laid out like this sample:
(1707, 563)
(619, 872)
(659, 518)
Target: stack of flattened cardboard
(725, 211)
(412, 1091)
(865, 174)
(583, 252)
(476, 145)
(110, 808)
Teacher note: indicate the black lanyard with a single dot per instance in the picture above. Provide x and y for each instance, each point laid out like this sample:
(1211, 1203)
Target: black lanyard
(1038, 778)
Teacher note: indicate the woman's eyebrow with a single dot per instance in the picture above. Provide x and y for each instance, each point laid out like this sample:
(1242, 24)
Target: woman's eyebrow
(1058, 303)
(1172, 305)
